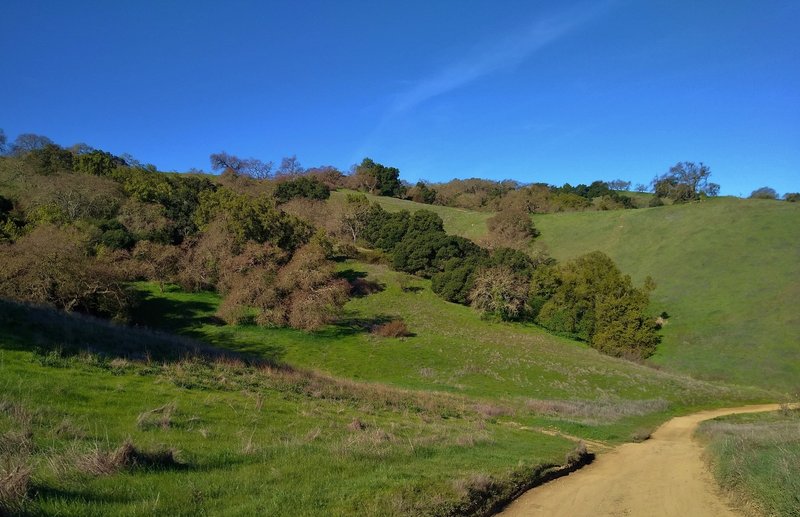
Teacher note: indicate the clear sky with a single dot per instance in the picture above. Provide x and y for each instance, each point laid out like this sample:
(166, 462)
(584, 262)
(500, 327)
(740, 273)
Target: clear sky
(529, 90)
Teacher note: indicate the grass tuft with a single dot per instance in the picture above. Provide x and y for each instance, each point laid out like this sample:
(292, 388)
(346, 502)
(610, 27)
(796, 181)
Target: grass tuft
(160, 417)
(14, 484)
(127, 456)
(394, 328)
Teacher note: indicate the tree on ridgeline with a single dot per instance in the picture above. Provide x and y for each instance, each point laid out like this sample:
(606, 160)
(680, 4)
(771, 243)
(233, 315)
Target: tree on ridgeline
(290, 167)
(309, 187)
(422, 193)
(764, 193)
(378, 179)
(619, 185)
(685, 181)
(251, 167)
(27, 142)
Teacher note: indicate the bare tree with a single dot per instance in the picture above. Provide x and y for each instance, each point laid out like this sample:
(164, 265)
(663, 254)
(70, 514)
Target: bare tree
(499, 291)
(290, 166)
(619, 185)
(354, 215)
(252, 167)
(27, 142)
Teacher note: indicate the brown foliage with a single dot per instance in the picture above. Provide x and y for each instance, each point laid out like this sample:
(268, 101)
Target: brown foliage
(157, 262)
(14, 481)
(499, 291)
(160, 417)
(394, 328)
(51, 266)
(304, 293)
(69, 197)
(510, 228)
(126, 456)
(202, 258)
(311, 294)
(143, 219)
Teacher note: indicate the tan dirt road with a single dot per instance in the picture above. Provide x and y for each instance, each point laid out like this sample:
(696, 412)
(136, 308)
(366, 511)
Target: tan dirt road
(663, 476)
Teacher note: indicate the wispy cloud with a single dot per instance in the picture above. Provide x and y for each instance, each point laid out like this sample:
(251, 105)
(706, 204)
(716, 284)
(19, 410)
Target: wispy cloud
(508, 50)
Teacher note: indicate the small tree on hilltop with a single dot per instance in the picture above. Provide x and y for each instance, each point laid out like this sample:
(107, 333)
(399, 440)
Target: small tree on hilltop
(378, 179)
(248, 166)
(685, 181)
(764, 193)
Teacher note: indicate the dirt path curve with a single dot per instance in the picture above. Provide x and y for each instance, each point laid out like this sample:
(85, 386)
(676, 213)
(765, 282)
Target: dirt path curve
(662, 476)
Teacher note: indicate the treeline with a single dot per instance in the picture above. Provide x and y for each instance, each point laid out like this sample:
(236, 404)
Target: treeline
(78, 225)
(587, 298)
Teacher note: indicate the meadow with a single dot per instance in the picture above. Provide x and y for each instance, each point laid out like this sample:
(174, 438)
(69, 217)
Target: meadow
(725, 270)
(452, 420)
(215, 433)
(756, 458)
(178, 413)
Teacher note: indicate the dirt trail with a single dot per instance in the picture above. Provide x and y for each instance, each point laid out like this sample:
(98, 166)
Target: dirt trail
(662, 476)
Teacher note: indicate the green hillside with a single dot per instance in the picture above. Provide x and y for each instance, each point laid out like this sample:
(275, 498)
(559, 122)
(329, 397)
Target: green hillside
(727, 272)
(462, 413)
(458, 221)
(452, 349)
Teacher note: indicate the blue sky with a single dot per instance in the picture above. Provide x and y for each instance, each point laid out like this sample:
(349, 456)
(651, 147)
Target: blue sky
(529, 90)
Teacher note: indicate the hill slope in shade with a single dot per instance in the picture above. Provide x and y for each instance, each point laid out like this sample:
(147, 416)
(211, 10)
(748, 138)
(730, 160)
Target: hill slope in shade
(728, 274)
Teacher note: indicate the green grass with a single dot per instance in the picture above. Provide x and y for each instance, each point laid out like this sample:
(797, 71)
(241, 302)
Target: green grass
(452, 350)
(252, 440)
(452, 415)
(457, 221)
(756, 457)
(727, 272)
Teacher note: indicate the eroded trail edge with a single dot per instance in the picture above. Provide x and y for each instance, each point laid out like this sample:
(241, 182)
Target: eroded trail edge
(663, 476)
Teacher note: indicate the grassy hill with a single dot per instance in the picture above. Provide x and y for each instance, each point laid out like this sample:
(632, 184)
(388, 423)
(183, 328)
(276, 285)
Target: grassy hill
(201, 417)
(213, 434)
(458, 221)
(727, 272)
(454, 418)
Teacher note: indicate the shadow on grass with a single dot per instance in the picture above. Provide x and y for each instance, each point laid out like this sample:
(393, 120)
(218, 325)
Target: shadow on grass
(46, 331)
(353, 325)
(229, 340)
(43, 493)
(359, 285)
(170, 314)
